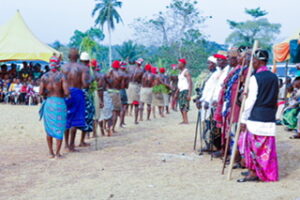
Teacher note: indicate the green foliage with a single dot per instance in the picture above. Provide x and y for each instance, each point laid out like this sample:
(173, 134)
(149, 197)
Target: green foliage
(107, 13)
(244, 33)
(256, 13)
(129, 51)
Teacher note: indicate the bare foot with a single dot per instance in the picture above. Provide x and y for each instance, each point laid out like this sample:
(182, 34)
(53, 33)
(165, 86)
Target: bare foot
(183, 123)
(83, 144)
(136, 123)
(72, 150)
(58, 156)
(51, 156)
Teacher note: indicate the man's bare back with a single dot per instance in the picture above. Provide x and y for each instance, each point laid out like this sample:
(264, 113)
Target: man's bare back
(136, 73)
(76, 75)
(54, 84)
(147, 80)
(115, 79)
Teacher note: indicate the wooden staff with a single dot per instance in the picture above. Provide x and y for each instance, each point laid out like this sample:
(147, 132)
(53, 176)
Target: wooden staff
(231, 116)
(237, 133)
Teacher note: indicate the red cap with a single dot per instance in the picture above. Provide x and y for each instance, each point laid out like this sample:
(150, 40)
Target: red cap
(220, 56)
(116, 64)
(182, 61)
(93, 63)
(162, 70)
(173, 66)
(148, 67)
(154, 70)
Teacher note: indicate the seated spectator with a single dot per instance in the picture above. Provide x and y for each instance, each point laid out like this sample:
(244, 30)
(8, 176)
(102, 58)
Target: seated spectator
(37, 73)
(23, 93)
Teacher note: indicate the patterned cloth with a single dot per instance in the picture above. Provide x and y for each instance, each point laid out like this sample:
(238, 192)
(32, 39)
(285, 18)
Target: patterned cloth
(54, 112)
(166, 99)
(96, 105)
(261, 156)
(146, 95)
(133, 92)
(116, 99)
(76, 108)
(106, 111)
(89, 112)
(184, 104)
(124, 98)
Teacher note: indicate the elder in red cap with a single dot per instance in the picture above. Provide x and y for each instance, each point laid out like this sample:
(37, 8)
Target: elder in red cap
(185, 86)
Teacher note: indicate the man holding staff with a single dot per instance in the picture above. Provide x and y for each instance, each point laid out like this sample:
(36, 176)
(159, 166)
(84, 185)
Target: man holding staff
(258, 121)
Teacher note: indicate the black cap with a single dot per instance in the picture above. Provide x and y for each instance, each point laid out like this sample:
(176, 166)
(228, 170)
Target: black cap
(262, 55)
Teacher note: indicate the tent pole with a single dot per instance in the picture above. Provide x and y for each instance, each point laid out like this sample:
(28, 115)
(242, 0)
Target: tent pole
(286, 76)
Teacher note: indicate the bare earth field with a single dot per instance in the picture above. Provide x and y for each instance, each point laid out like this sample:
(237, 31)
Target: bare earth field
(153, 160)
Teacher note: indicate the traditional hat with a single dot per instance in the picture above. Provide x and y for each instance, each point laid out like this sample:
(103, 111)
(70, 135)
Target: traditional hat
(84, 56)
(139, 61)
(221, 55)
(212, 59)
(233, 52)
(148, 67)
(123, 65)
(174, 66)
(93, 63)
(182, 60)
(116, 64)
(262, 55)
(162, 70)
(153, 70)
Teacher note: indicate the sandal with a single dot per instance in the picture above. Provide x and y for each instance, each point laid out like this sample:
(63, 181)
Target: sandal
(295, 137)
(247, 173)
(238, 166)
(248, 179)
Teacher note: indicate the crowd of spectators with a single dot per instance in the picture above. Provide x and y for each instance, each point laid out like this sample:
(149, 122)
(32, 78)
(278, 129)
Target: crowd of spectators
(21, 86)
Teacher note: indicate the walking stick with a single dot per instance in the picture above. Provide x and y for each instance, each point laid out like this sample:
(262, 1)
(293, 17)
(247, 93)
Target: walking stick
(237, 133)
(212, 136)
(196, 131)
(227, 134)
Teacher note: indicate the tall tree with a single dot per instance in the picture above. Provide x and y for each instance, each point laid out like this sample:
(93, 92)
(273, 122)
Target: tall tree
(106, 11)
(259, 28)
(129, 51)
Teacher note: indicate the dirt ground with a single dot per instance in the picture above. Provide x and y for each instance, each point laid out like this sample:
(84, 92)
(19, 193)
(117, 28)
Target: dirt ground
(154, 160)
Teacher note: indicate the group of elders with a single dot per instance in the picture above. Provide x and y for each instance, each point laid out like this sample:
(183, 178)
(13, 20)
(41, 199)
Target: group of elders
(220, 102)
(79, 97)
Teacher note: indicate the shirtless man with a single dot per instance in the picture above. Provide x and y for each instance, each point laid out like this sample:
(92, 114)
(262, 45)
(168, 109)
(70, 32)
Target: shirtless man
(77, 78)
(89, 106)
(158, 99)
(115, 79)
(174, 82)
(166, 80)
(123, 93)
(146, 91)
(54, 89)
(136, 72)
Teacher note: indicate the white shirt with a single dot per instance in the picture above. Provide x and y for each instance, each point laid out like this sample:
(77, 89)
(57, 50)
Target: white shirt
(209, 87)
(183, 83)
(219, 83)
(255, 127)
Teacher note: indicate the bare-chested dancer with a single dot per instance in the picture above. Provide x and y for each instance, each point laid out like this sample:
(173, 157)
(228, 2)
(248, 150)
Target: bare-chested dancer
(88, 95)
(114, 85)
(166, 91)
(77, 78)
(54, 88)
(146, 91)
(136, 72)
(123, 93)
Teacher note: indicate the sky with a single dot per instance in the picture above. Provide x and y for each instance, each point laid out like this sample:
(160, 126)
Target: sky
(52, 20)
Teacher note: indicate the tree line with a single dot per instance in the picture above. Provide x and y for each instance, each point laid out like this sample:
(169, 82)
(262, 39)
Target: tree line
(173, 33)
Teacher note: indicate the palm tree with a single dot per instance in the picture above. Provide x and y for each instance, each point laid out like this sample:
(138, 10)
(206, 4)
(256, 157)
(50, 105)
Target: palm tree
(129, 51)
(108, 14)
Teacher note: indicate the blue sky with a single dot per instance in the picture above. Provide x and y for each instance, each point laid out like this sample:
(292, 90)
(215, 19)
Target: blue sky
(52, 20)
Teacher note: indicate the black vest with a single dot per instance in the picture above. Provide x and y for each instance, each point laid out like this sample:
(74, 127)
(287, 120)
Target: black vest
(265, 107)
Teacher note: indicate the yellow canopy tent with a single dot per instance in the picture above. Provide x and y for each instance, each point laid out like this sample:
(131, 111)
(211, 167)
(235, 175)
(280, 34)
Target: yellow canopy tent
(17, 42)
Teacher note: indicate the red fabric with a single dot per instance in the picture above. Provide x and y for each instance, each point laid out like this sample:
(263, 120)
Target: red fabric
(173, 66)
(280, 103)
(162, 70)
(220, 56)
(135, 103)
(183, 61)
(281, 52)
(116, 64)
(148, 68)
